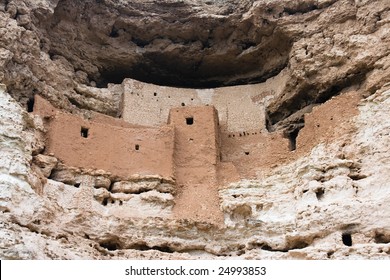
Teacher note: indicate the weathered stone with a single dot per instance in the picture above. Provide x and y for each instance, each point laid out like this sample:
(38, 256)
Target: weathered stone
(324, 197)
(157, 197)
(45, 163)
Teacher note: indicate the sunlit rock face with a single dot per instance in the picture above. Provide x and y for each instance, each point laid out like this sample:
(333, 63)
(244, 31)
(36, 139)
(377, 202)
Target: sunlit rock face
(194, 129)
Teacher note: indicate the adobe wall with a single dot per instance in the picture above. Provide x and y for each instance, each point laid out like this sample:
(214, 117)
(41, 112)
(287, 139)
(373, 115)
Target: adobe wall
(108, 144)
(254, 151)
(251, 151)
(196, 144)
(240, 108)
(200, 153)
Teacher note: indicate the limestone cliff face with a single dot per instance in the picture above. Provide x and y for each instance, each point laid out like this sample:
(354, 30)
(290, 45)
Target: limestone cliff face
(312, 61)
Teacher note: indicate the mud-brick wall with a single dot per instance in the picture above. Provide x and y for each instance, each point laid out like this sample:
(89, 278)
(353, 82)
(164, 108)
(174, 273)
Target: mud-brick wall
(196, 144)
(123, 151)
(253, 151)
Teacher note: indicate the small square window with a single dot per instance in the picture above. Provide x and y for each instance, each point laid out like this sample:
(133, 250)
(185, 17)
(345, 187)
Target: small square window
(84, 132)
(190, 121)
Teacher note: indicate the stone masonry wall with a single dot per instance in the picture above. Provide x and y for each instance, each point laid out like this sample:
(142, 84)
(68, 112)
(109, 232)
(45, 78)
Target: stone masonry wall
(240, 108)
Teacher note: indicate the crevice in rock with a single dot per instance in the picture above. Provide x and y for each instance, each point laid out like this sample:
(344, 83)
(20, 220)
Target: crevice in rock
(301, 9)
(330, 254)
(266, 247)
(292, 137)
(356, 173)
(296, 7)
(382, 237)
(111, 244)
(144, 247)
(292, 245)
(30, 104)
(319, 193)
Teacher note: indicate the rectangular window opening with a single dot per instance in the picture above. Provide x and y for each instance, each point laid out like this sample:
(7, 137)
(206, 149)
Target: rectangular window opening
(190, 121)
(84, 132)
(137, 147)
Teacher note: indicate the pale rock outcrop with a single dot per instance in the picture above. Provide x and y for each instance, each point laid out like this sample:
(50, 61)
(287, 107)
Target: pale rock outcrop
(329, 203)
(45, 163)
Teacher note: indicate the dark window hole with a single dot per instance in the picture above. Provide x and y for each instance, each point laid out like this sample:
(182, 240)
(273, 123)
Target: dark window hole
(247, 153)
(105, 201)
(30, 104)
(84, 132)
(190, 121)
(347, 239)
(77, 185)
(137, 147)
(155, 94)
(183, 104)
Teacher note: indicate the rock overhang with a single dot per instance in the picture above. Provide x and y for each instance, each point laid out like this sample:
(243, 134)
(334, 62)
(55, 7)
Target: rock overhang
(174, 45)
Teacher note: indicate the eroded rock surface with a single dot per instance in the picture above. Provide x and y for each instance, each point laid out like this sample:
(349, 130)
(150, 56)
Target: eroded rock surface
(328, 197)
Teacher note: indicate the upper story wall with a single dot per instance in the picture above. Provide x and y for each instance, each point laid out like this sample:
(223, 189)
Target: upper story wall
(107, 143)
(196, 135)
(240, 108)
(196, 144)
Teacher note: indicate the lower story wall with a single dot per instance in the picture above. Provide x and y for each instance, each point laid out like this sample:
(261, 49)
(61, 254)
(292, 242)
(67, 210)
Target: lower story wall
(120, 150)
(252, 152)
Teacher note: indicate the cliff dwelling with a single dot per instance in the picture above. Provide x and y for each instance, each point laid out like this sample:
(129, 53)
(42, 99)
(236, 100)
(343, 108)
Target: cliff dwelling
(233, 129)
(196, 140)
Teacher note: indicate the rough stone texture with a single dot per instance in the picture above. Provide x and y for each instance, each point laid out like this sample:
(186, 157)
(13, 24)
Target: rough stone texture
(149, 104)
(76, 56)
